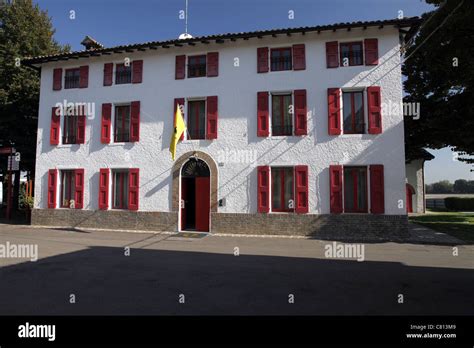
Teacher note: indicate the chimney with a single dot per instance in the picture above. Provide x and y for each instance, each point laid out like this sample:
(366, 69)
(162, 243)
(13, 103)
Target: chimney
(91, 44)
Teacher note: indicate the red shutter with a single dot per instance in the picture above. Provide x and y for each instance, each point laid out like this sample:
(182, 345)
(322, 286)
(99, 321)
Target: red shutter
(300, 112)
(55, 126)
(137, 71)
(108, 73)
(262, 114)
(263, 182)
(335, 188)
(180, 72)
(371, 47)
(57, 79)
(332, 54)
(79, 188)
(377, 197)
(374, 103)
(133, 188)
(212, 117)
(83, 76)
(52, 184)
(135, 121)
(106, 123)
(262, 59)
(301, 189)
(212, 64)
(81, 128)
(104, 188)
(178, 101)
(334, 111)
(299, 57)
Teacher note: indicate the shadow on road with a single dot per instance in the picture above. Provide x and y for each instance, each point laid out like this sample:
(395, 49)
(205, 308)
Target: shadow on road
(149, 282)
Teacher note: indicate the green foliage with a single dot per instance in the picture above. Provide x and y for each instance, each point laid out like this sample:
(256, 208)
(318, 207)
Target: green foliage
(444, 90)
(25, 31)
(460, 186)
(459, 204)
(25, 202)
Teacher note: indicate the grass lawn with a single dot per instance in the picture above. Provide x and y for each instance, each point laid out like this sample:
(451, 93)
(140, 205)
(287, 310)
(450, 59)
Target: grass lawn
(459, 225)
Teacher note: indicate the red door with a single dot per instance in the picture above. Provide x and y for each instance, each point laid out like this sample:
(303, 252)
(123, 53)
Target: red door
(203, 197)
(409, 200)
(184, 194)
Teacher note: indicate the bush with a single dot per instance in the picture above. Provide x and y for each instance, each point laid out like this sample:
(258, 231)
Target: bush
(459, 204)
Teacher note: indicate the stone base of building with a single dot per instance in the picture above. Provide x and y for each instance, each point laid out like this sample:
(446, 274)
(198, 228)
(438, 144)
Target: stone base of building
(344, 227)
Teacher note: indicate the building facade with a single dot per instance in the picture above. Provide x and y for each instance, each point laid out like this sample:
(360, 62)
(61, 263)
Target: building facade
(287, 133)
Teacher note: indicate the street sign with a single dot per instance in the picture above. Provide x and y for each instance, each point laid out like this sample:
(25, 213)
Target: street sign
(13, 163)
(7, 150)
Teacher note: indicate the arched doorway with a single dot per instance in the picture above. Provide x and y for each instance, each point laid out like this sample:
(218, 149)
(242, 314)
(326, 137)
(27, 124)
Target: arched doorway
(409, 200)
(195, 195)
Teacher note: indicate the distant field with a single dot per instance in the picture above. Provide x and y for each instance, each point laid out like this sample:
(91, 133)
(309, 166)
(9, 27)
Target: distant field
(443, 196)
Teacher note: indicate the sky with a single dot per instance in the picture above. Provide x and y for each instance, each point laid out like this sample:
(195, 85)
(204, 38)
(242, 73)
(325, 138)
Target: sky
(117, 22)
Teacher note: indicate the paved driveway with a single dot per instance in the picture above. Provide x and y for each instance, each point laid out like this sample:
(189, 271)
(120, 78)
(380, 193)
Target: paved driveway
(93, 266)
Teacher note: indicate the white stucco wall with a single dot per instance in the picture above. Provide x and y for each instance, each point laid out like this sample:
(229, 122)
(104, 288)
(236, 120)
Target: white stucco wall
(237, 89)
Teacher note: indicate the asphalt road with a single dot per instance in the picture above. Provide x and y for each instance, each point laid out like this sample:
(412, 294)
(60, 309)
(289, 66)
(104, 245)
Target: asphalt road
(214, 281)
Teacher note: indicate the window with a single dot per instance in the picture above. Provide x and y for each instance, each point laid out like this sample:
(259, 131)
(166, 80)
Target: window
(123, 74)
(282, 189)
(197, 119)
(353, 112)
(353, 52)
(70, 129)
(122, 124)
(197, 66)
(120, 189)
(281, 116)
(71, 79)
(355, 189)
(281, 59)
(67, 188)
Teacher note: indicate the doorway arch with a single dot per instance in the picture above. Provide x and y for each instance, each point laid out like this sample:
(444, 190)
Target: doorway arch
(177, 170)
(409, 199)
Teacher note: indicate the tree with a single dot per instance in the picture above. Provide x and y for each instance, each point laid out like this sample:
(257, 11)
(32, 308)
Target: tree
(443, 186)
(461, 186)
(440, 76)
(25, 30)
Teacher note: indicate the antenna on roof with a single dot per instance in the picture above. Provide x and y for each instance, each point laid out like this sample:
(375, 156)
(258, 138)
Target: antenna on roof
(185, 35)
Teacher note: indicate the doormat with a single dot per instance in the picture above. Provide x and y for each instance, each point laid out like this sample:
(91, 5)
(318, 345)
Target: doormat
(194, 235)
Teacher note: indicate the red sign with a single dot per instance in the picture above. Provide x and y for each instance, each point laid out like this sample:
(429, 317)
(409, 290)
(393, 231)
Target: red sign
(7, 150)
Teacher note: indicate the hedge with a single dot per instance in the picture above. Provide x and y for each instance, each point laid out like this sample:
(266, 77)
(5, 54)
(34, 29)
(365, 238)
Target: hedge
(459, 204)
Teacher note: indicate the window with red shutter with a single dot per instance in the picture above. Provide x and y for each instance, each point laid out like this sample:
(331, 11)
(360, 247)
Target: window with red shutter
(300, 112)
(263, 183)
(55, 126)
(180, 102)
(262, 59)
(212, 116)
(57, 79)
(371, 47)
(299, 57)
(83, 76)
(334, 111)
(133, 189)
(335, 189)
(374, 103)
(106, 123)
(79, 188)
(180, 71)
(52, 185)
(301, 189)
(135, 121)
(108, 73)
(137, 71)
(262, 114)
(104, 188)
(212, 64)
(81, 126)
(377, 196)
(332, 54)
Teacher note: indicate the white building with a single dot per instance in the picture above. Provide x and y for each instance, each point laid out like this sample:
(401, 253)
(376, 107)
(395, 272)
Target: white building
(287, 133)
